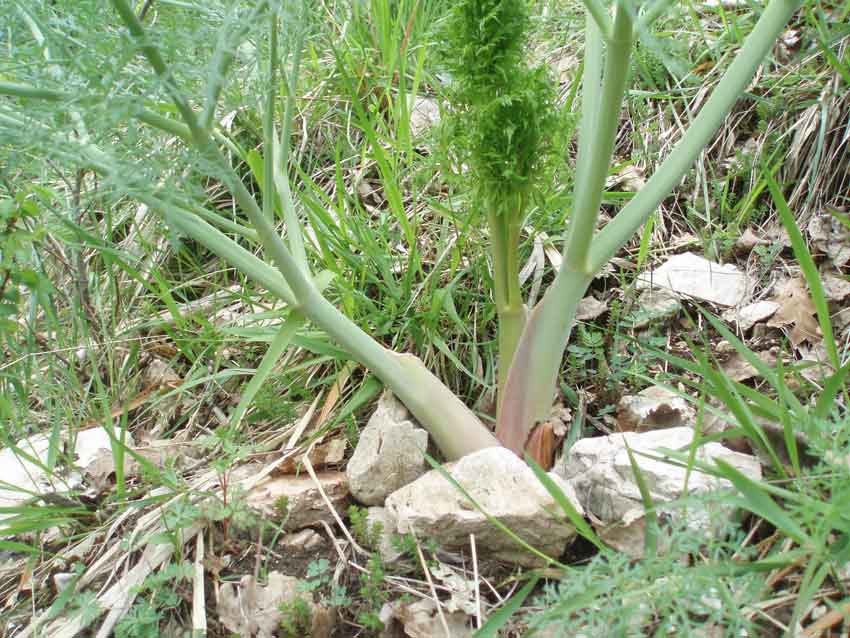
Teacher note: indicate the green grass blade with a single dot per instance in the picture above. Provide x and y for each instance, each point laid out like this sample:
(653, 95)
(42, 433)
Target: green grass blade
(651, 529)
(581, 525)
(276, 348)
(810, 270)
(759, 502)
(726, 392)
(814, 575)
(785, 418)
(501, 617)
(834, 384)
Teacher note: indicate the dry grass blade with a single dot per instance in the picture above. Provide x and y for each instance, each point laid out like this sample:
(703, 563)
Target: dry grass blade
(199, 611)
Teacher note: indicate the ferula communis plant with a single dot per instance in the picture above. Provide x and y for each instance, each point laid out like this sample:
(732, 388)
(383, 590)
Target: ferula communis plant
(509, 120)
(502, 128)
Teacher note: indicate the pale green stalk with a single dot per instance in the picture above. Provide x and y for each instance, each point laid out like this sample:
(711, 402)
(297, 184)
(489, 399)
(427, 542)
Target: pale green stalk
(222, 222)
(599, 14)
(505, 227)
(293, 226)
(533, 375)
(291, 87)
(269, 133)
(219, 243)
(596, 159)
(590, 99)
(547, 331)
(455, 429)
(281, 155)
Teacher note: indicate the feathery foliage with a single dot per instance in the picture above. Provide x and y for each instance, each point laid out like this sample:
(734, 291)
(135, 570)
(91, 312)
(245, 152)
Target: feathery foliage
(504, 110)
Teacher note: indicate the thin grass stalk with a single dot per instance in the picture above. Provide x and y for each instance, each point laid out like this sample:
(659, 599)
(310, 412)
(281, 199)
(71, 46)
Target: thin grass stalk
(269, 132)
(281, 153)
(510, 309)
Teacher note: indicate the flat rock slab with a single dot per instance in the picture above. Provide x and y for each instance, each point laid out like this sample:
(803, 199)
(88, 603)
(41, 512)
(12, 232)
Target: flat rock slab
(600, 472)
(23, 479)
(389, 454)
(296, 500)
(699, 278)
(751, 314)
(504, 487)
(652, 409)
(590, 308)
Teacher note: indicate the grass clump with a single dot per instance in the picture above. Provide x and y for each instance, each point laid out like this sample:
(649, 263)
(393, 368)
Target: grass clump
(663, 596)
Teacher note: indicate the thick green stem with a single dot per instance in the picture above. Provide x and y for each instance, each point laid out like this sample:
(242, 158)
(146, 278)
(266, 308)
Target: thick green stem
(593, 166)
(455, 429)
(533, 375)
(543, 341)
(597, 12)
(590, 98)
(511, 325)
(505, 228)
(529, 387)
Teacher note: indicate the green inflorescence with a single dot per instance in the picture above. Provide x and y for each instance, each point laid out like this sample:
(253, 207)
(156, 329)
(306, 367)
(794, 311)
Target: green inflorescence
(504, 114)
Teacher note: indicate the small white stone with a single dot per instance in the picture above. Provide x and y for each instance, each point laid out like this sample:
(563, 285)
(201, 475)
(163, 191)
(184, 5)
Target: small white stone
(699, 278)
(652, 409)
(389, 454)
(386, 547)
(750, 315)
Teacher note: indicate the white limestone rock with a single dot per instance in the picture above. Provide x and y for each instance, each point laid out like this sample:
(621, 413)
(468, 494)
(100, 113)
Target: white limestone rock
(652, 409)
(654, 306)
(22, 478)
(389, 454)
(504, 487)
(600, 472)
(751, 314)
(424, 114)
(304, 504)
(697, 277)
